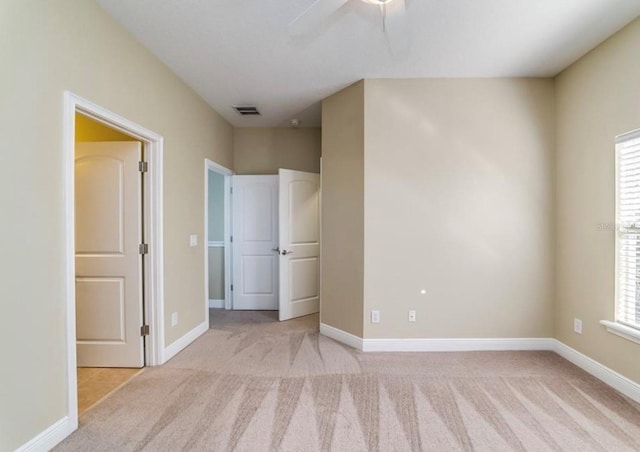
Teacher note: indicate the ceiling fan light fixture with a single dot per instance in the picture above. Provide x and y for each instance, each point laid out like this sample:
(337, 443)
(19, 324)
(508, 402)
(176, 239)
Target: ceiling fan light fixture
(378, 2)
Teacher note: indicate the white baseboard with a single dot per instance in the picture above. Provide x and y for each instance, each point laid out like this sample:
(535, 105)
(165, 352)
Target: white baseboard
(341, 336)
(436, 345)
(50, 437)
(218, 304)
(612, 378)
(53, 435)
(179, 345)
(456, 344)
(626, 386)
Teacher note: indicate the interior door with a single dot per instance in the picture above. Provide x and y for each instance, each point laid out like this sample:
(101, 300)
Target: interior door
(255, 242)
(108, 226)
(299, 214)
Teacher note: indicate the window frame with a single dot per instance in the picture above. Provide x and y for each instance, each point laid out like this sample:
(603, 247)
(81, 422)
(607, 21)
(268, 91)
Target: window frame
(622, 327)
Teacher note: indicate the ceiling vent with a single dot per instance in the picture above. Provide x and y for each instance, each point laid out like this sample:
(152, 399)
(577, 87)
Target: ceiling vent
(246, 110)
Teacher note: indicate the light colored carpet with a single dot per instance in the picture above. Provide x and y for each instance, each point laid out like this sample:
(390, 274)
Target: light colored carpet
(253, 384)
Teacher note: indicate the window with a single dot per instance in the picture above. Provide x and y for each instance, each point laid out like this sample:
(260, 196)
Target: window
(628, 229)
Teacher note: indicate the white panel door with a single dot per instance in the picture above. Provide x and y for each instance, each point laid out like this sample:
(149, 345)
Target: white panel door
(255, 242)
(108, 264)
(299, 243)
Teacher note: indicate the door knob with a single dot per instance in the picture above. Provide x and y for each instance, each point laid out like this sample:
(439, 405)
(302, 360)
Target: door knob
(277, 250)
(285, 252)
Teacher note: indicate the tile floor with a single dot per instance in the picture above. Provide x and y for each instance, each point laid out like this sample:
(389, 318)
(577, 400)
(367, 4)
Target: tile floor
(94, 383)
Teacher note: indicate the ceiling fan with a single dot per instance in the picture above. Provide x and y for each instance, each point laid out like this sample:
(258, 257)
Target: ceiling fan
(393, 14)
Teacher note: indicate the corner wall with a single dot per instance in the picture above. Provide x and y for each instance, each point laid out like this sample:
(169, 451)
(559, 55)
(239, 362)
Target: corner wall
(343, 210)
(45, 49)
(597, 99)
(458, 202)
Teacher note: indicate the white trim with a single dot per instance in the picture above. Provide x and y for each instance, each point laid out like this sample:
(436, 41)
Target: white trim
(216, 304)
(154, 300)
(153, 147)
(206, 240)
(612, 378)
(341, 336)
(228, 249)
(631, 334)
(456, 344)
(321, 242)
(68, 134)
(210, 165)
(436, 345)
(49, 438)
(154, 271)
(213, 166)
(622, 304)
(632, 135)
(182, 343)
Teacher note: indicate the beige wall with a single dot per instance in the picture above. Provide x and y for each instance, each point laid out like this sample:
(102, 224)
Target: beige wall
(263, 150)
(459, 202)
(597, 99)
(47, 47)
(343, 209)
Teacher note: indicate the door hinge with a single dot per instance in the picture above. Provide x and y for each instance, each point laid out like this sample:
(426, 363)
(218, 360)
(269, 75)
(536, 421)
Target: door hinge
(143, 248)
(143, 167)
(231, 239)
(231, 190)
(144, 330)
(231, 287)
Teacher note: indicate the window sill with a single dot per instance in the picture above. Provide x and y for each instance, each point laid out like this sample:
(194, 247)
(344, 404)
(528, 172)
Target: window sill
(624, 331)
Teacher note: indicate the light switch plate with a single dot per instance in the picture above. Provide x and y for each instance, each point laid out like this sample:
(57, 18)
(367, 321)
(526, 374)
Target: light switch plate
(577, 326)
(375, 316)
(193, 240)
(412, 316)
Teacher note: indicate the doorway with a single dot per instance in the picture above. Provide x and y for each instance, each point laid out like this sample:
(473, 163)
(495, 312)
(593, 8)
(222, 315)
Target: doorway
(217, 259)
(109, 267)
(256, 253)
(276, 243)
(82, 276)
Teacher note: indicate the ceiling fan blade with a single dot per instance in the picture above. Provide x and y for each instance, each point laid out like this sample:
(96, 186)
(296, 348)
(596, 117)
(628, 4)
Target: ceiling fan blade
(314, 15)
(396, 26)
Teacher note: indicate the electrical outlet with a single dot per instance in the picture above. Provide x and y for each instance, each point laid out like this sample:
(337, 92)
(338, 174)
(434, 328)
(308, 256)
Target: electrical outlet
(375, 316)
(174, 319)
(412, 316)
(193, 240)
(577, 326)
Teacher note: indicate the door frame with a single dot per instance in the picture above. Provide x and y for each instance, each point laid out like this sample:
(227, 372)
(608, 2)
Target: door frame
(152, 211)
(210, 165)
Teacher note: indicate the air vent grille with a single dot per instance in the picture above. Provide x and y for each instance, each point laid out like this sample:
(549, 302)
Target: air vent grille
(246, 110)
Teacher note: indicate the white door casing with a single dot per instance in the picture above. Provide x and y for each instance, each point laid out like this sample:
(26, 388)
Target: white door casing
(299, 220)
(211, 166)
(108, 225)
(255, 238)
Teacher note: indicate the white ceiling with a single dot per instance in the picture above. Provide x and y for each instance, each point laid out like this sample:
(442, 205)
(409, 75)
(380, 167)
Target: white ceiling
(240, 51)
